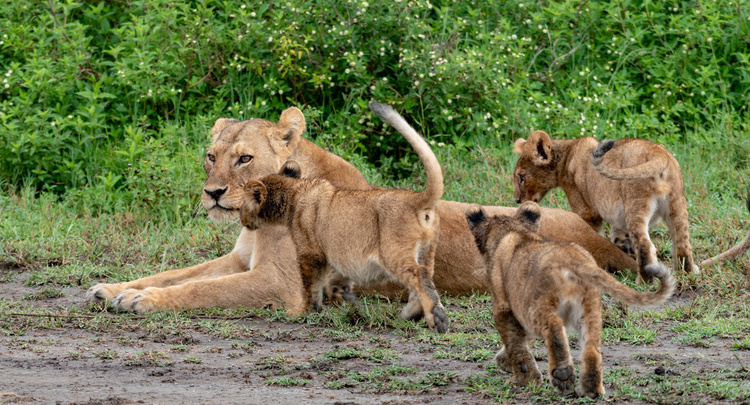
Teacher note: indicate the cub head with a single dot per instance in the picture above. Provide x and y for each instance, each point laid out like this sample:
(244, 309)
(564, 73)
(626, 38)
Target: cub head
(536, 170)
(489, 231)
(243, 151)
(264, 200)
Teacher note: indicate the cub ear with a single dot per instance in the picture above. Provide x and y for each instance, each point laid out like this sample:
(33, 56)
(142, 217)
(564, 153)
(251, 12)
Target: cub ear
(219, 126)
(255, 196)
(477, 220)
(289, 129)
(530, 214)
(291, 169)
(518, 146)
(539, 148)
(475, 216)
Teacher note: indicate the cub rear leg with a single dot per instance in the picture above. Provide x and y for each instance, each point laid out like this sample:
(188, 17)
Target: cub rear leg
(419, 281)
(313, 270)
(561, 372)
(515, 356)
(590, 338)
(677, 222)
(645, 251)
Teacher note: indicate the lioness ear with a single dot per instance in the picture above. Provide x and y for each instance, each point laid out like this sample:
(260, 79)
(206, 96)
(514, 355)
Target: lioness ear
(518, 146)
(219, 126)
(290, 128)
(291, 169)
(530, 213)
(475, 216)
(539, 148)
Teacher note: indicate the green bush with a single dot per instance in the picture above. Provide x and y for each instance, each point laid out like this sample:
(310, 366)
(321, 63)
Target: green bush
(110, 102)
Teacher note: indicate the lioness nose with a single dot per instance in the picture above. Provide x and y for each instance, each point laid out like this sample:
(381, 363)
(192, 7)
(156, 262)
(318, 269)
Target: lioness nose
(518, 200)
(216, 193)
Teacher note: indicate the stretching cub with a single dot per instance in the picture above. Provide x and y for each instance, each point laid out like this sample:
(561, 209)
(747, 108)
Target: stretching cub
(369, 236)
(630, 183)
(539, 288)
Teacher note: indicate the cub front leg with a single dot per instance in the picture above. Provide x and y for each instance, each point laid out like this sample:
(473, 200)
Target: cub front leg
(515, 356)
(312, 267)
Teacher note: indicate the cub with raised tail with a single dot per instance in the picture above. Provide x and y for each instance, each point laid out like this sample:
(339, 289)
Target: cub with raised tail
(630, 183)
(368, 236)
(540, 288)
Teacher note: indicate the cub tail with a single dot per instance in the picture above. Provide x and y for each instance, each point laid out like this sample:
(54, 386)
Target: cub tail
(734, 252)
(610, 285)
(652, 168)
(434, 189)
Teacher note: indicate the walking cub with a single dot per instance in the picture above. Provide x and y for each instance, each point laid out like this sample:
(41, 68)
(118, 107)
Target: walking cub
(540, 288)
(369, 236)
(630, 183)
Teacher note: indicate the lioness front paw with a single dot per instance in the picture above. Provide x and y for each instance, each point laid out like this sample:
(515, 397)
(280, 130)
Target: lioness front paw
(625, 244)
(139, 301)
(102, 292)
(440, 319)
(564, 378)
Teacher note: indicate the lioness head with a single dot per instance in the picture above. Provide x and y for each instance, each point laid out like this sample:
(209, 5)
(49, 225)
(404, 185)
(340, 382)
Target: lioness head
(489, 231)
(535, 173)
(243, 151)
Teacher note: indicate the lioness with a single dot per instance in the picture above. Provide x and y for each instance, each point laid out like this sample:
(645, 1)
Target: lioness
(541, 288)
(367, 236)
(631, 184)
(262, 268)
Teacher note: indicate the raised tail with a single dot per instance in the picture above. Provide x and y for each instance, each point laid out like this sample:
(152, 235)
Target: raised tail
(736, 251)
(610, 285)
(652, 168)
(433, 191)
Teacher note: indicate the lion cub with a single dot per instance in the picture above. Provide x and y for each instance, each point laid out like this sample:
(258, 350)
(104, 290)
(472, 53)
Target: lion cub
(630, 183)
(540, 288)
(368, 236)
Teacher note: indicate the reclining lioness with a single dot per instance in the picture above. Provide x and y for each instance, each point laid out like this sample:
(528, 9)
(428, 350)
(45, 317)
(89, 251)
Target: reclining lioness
(541, 288)
(262, 269)
(367, 236)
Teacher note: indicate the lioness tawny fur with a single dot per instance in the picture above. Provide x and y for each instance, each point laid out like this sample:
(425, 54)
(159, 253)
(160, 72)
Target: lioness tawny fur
(630, 183)
(539, 288)
(367, 236)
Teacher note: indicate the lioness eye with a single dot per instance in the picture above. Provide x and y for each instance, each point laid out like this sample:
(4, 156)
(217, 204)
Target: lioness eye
(245, 158)
(211, 157)
(521, 178)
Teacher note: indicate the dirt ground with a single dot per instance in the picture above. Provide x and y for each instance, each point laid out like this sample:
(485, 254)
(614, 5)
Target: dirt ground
(68, 365)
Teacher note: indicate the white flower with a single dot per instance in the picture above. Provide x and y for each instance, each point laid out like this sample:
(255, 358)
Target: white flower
(270, 39)
(253, 15)
(582, 73)
(243, 6)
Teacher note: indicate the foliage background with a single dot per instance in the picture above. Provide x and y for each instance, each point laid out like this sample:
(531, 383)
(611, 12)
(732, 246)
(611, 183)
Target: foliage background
(108, 104)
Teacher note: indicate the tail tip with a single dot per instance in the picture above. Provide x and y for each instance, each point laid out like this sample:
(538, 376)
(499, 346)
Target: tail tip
(600, 150)
(380, 109)
(657, 270)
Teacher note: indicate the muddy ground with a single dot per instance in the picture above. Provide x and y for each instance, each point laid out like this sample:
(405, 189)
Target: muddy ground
(69, 365)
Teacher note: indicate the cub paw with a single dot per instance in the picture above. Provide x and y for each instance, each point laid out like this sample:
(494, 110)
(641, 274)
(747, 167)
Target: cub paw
(625, 244)
(102, 292)
(593, 394)
(342, 293)
(440, 319)
(503, 360)
(138, 301)
(564, 378)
